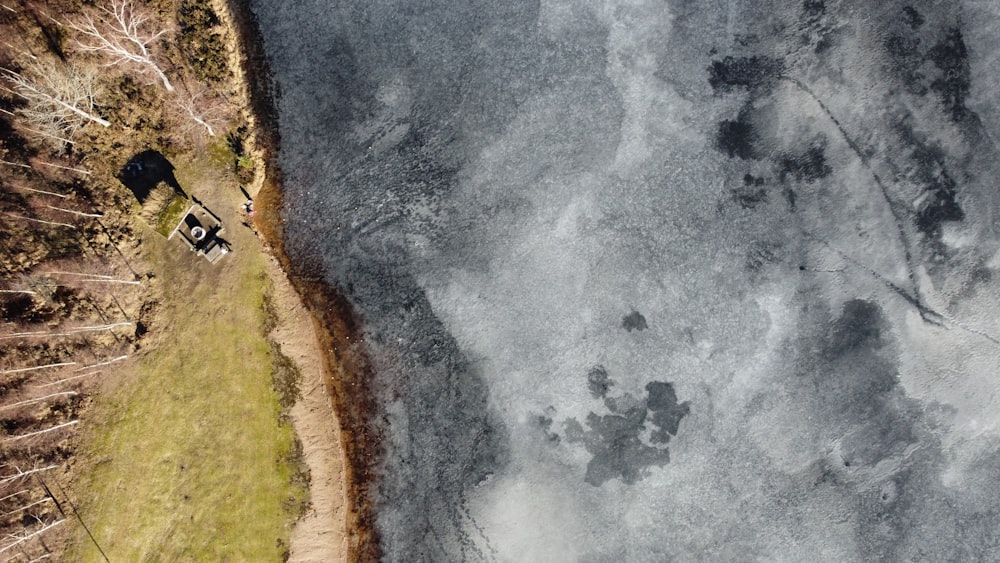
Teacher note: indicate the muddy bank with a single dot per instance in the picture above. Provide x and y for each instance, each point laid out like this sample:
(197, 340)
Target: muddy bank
(346, 367)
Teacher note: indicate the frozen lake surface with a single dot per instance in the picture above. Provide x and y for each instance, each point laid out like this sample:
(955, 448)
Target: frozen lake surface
(660, 280)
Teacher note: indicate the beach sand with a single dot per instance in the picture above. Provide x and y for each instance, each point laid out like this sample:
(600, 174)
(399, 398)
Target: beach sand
(319, 535)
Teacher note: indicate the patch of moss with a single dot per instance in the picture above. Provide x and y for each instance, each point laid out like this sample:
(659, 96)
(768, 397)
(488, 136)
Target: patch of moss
(171, 215)
(220, 155)
(285, 375)
(245, 169)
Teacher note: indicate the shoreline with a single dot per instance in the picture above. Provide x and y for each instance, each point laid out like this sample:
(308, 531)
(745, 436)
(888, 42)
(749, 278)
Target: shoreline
(318, 535)
(335, 367)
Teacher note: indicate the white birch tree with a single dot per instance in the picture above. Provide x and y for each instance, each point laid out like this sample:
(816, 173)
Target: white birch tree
(199, 109)
(120, 31)
(60, 98)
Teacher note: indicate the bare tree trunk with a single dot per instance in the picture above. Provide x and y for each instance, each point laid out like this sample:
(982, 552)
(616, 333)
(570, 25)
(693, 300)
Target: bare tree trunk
(12, 495)
(68, 332)
(199, 112)
(113, 244)
(118, 31)
(200, 121)
(81, 171)
(49, 136)
(40, 432)
(80, 213)
(26, 507)
(31, 535)
(126, 282)
(20, 474)
(95, 278)
(33, 368)
(39, 220)
(7, 162)
(104, 363)
(75, 377)
(38, 400)
(64, 196)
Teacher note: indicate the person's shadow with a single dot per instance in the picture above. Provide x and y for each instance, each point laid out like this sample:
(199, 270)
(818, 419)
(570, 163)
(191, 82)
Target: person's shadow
(144, 171)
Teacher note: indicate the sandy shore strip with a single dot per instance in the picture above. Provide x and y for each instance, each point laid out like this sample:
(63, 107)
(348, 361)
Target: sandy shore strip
(319, 536)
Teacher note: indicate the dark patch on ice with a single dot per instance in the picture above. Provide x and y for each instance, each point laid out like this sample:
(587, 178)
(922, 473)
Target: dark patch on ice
(615, 439)
(951, 58)
(939, 203)
(939, 207)
(860, 325)
(808, 166)
(817, 29)
(813, 8)
(744, 72)
(912, 18)
(737, 138)
(761, 254)
(790, 197)
(634, 321)
(907, 59)
(981, 274)
(748, 197)
(544, 423)
(751, 193)
(664, 411)
(943, 68)
(598, 382)
(852, 386)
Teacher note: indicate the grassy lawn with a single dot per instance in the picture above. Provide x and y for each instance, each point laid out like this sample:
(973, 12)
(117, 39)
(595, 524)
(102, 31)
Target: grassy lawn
(186, 459)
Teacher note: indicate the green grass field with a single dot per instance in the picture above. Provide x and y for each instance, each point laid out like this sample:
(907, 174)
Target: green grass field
(187, 459)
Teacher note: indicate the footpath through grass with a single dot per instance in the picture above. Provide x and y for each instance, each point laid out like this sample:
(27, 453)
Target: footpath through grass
(187, 458)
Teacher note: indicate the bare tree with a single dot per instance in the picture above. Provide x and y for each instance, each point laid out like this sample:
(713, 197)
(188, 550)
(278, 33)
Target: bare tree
(61, 98)
(26, 507)
(200, 110)
(84, 277)
(59, 395)
(64, 380)
(77, 213)
(67, 331)
(36, 368)
(42, 221)
(120, 31)
(26, 186)
(26, 535)
(21, 474)
(40, 432)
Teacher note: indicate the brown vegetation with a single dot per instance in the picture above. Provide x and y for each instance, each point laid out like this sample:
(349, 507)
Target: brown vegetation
(75, 296)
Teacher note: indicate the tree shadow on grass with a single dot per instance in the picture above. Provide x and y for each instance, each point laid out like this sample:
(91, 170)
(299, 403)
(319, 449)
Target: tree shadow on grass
(145, 170)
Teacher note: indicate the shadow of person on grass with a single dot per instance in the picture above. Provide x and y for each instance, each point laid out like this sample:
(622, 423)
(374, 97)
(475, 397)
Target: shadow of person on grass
(145, 170)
